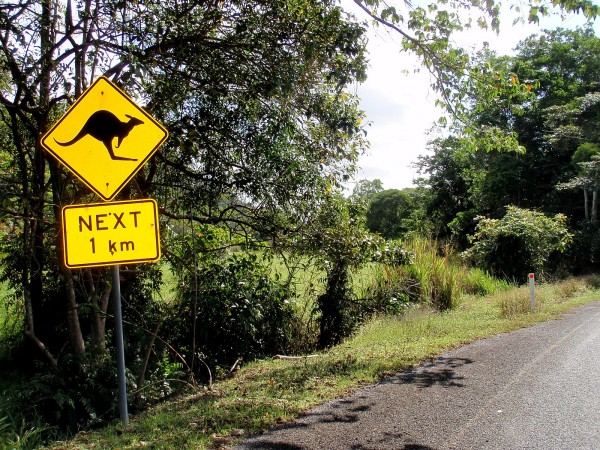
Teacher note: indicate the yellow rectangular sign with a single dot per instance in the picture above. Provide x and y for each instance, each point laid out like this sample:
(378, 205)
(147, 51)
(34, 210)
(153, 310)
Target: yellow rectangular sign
(108, 234)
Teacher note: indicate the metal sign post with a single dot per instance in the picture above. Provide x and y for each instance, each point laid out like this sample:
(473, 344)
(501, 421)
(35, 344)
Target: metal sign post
(120, 347)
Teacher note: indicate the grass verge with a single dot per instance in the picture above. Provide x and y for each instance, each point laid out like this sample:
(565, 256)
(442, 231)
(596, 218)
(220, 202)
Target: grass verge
(270, 392)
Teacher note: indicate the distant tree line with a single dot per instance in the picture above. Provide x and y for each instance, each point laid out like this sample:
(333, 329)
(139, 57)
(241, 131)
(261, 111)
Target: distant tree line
(544, 159)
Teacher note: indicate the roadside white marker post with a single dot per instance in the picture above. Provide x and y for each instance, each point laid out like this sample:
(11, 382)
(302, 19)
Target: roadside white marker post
(532, 291)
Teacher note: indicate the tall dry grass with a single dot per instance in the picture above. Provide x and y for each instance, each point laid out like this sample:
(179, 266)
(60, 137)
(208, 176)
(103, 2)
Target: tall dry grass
(437, 272)
(437, 277)
(516, 301)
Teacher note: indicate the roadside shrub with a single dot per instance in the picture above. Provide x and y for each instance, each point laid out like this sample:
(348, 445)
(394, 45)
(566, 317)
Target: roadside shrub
(81, 390)
(17, 435)
(388, 290)
(478, 282)
(521, 242)
(430, 273)
(77, 393)
(235, 310)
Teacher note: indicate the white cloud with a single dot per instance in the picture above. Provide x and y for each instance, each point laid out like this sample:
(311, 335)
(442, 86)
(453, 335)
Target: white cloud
(400, 108)
(400, 104)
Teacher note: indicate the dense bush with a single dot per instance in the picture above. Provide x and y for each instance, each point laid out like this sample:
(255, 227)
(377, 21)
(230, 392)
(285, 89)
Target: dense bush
(81, 390)
(519, 243)
(387, 291)
(234, 309)
(584, 254)
(429, 273)
(78, 393)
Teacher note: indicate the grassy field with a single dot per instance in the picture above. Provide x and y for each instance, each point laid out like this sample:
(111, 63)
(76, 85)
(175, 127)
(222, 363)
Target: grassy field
(266, 393)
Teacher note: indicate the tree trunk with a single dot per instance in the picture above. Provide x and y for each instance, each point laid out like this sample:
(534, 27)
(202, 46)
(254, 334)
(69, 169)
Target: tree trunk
(586, 206)
(74, 329)
(47, 38)
(142, 373)
(99, 300)
(594, 205)
(331, 306)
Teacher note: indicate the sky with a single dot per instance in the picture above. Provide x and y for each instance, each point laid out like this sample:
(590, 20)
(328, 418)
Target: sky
(400, 108)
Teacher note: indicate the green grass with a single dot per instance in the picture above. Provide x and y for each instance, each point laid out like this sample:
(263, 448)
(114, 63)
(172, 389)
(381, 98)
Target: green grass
(4, 293)
(269, 392)
(10, 325)
(20, 437)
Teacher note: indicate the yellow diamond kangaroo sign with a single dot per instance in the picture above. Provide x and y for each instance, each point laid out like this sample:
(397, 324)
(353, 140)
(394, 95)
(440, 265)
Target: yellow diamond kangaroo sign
(104, 138)
(105, 234)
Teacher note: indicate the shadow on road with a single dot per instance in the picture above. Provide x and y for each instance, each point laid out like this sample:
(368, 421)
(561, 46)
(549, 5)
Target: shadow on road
(272, 446)
(441, 371)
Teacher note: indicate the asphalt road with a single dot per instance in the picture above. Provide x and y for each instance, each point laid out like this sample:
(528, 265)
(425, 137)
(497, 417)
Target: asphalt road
(536, 388)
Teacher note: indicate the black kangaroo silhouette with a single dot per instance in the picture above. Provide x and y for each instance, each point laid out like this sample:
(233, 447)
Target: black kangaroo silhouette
(105, 126)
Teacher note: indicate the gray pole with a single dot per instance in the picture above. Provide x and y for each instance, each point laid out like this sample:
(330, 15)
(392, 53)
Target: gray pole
(120, 348)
